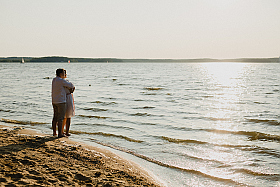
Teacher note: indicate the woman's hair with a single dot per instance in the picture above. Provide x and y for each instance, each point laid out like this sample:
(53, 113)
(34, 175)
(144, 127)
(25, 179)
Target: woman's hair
(58, 71)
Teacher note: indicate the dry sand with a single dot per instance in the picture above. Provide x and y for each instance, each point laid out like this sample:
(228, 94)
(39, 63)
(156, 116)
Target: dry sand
(27, 159)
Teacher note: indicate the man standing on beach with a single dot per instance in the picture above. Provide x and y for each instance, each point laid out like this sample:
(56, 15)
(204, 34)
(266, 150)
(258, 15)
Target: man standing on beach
(59, 100)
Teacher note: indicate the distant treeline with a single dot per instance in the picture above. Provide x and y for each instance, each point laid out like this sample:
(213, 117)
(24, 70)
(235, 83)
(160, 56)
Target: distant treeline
(58, 59)
(108, 60)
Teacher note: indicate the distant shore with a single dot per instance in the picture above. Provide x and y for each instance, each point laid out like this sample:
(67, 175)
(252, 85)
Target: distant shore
(51, 59)
(29, 158)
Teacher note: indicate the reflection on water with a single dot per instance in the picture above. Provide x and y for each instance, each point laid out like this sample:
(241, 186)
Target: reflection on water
(228, 80)
(200, 124)
(225, 74)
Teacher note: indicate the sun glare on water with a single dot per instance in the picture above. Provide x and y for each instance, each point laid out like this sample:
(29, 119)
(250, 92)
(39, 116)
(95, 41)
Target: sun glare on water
(227, 82)
(225, 74)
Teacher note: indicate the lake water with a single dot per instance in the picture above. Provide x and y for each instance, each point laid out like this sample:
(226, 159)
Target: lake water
(191, 124)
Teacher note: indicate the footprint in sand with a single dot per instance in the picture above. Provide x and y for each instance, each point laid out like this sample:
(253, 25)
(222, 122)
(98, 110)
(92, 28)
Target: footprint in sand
(82, 177)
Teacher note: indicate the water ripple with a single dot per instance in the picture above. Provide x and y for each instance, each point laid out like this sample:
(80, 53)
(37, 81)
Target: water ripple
(108, 135)
(21, 122)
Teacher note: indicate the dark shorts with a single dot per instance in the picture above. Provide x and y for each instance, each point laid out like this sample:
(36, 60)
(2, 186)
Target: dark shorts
(59, 111)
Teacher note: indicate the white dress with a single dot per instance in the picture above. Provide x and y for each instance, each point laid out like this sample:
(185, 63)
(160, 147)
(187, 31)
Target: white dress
(70, 107)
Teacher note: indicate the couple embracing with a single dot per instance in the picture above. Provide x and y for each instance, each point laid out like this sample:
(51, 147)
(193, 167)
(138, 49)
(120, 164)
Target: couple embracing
(63, 103)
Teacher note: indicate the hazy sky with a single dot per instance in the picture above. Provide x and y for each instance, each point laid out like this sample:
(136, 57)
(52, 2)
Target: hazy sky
(140, 28)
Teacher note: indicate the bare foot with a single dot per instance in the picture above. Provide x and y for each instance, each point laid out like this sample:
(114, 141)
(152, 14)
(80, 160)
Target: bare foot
(61, 136)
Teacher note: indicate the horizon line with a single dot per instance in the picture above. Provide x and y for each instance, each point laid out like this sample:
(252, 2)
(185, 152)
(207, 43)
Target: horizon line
(144, 58)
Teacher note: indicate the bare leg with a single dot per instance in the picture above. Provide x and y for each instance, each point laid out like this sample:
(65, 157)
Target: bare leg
(68, 121)
(54, 122)
(63, 125)
(60, 129)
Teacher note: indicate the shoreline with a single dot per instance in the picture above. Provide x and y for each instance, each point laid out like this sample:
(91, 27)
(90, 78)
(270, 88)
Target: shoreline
(28, 157)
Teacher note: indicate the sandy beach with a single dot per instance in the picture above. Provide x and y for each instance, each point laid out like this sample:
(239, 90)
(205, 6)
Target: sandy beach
(28, 158)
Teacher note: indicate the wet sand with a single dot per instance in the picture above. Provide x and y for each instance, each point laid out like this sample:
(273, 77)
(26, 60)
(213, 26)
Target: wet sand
(31, 159)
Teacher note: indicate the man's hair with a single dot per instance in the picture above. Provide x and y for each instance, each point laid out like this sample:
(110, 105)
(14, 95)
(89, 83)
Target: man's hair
(58, 71)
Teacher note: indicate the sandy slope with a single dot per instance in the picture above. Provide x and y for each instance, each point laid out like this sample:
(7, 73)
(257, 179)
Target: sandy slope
(40, 160)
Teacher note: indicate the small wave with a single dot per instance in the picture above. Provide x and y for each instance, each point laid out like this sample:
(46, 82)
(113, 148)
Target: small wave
(181, 128)
(218, 131)
(272, 176)
(112, 98)
(96, 109)
(145, 107)
(266, 121)
(260, 150)
(193, 89)
(148, 124)
(139, 100)
(260, 103)
(218, 119)
(199, 159)
(160, 163)
(93, 124)
(207, 96)
(108, 135)
(148, 107)
(21, 122)
(264, 137)
(172, 101)
(141, 114)
(9, 111)
(253, 135)
(175, 140)
(149, 93)
(104, 103)
(98, 117)
(104, 125)
(27, 104)
(153, 88)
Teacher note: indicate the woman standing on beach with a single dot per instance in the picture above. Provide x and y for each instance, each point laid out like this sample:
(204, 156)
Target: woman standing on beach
(70, 108)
